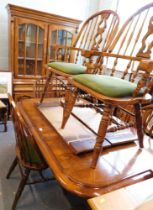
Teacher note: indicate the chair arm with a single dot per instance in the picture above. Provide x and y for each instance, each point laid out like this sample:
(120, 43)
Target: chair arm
(90, 53)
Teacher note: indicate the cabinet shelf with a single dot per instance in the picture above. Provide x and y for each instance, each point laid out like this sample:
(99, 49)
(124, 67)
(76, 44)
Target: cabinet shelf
(29, 42)
(30, 59)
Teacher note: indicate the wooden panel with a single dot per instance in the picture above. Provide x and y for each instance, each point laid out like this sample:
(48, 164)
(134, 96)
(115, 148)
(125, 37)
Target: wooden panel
(42, 16)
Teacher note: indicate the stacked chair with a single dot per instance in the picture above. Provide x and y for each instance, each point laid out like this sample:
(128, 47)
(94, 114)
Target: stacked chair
(97, 33)
(28, 157)
(125, 85)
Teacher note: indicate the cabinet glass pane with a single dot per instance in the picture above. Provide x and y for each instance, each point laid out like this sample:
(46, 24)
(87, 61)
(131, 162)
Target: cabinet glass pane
(62, 37)
(21, 49)
(21, 34)
(69, 39)
(54, 37)
(40, 36)
(30, 49)
(30, 67)
(40, 51)
(20, 67)
(31, 41)
(31, 31)
(59, 37)
(39, 67)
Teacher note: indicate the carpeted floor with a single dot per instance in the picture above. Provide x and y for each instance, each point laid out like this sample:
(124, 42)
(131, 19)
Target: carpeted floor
(44, 196)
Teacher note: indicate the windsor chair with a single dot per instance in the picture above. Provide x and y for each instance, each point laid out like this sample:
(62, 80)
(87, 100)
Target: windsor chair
(28, 156)
(127, 82)
(97, 33)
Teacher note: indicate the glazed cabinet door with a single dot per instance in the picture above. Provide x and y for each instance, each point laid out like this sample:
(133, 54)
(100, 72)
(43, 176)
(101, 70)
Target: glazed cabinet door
(30, 48)
(59, 38)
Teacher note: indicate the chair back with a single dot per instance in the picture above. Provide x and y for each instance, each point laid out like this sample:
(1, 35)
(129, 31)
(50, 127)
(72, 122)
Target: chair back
(135, 36)
(97, 33)
(134, 39)
(27, 151)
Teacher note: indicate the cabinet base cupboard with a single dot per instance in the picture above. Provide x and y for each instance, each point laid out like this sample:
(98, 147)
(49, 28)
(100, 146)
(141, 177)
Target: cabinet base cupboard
(33, 36)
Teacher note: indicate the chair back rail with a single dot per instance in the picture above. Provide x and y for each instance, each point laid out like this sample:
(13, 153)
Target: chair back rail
(133, 39)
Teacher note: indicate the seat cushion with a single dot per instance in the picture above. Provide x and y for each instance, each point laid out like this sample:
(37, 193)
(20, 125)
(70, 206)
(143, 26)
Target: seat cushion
(68, 68)
(106, 85)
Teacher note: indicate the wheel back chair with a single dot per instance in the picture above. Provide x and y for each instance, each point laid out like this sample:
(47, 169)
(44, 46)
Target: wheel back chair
(127, 82)
(28, 156)
(97, 33)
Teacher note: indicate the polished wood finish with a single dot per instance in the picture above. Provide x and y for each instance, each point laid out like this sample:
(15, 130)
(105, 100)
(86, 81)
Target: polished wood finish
(23, 87)
(117, 167)
(111, 102)
(128, 198)
(33, 35)
(97, 33)
(28, 155)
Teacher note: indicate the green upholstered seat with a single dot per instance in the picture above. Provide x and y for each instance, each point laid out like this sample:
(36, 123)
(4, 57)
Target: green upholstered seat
(106, 85)
(68, 68)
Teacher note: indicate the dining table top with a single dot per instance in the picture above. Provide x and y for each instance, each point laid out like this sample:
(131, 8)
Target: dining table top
(117, 166)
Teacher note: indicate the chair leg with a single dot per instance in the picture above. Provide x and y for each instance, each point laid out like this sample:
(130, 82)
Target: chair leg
(70, 98)
(5, 122)
(13, 165)
(46, 87)
(105, 120)
(21, 187)
(139, 124)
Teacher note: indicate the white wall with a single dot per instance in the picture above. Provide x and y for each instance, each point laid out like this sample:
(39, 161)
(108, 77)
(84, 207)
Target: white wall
(107, 4)
(121, 7)
(79, 9)
(125, 13)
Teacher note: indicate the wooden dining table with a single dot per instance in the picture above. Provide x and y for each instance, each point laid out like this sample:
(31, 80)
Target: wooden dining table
(118, 166)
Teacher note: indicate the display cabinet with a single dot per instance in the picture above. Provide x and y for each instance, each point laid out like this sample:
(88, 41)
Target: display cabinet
(33, 37)
(30, 42)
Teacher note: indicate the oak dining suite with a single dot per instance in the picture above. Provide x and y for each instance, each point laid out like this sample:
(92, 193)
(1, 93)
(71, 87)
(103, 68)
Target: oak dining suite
(88, 113)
